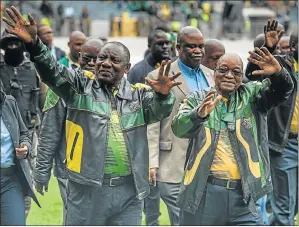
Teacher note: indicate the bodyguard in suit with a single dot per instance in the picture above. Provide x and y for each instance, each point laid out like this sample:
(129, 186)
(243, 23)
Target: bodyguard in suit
(168, 152)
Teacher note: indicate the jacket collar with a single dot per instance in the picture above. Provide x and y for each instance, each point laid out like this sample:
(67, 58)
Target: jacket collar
(124, 91)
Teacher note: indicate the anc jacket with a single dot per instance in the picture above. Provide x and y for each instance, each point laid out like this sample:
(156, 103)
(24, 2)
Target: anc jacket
(88, 119)
(52, 143)
(246, 120)
(279, 118)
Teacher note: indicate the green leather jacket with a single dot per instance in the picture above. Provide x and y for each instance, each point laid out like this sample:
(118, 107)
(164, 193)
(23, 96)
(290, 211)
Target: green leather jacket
(247, 125)
(88, 119)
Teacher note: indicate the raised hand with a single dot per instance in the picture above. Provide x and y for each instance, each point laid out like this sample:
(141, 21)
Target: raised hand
(265, 60)
(208, 104)
(164, 83)
(19, 27)
(272, 36)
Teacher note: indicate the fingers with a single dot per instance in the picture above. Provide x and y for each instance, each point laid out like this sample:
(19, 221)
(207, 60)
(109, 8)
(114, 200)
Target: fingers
(210, 94)
(39, 188)
(253, 61)
(259, 52)
(265, 51)
(8, 22)
(268, 26)
(175, 76)
(11, 15)
(31, 20)
(257, 72)
(272, 26)
(275, 25)
(254, 55)
(216, 100)
(280, 34)
(17, 13)
(168, 64)
(161, 70)
(21, 150)
(176, 84)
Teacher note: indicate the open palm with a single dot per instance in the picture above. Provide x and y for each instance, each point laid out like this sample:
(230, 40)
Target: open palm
(19, 27)
(208, 104)
(265, 60)
(164, 83)
(272, 36)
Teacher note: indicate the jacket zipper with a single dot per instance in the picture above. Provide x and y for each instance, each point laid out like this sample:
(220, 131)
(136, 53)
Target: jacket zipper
(130, 160)
(74, 145)
(234, 143)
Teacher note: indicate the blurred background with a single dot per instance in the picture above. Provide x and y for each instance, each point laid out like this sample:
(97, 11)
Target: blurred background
(217, 19)
(235, 23)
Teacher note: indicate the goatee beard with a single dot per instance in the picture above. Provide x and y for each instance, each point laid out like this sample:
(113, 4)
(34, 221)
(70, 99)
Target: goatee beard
(14, 57)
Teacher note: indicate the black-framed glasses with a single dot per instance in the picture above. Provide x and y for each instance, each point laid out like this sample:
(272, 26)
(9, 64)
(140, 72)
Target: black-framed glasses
(234, 72)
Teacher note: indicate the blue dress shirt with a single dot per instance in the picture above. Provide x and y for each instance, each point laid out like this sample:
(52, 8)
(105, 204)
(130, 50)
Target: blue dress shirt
(7, 147)
(194, 78)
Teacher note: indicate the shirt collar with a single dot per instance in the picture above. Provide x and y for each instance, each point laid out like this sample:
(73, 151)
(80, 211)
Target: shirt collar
(71, 63)
(53, 51)
(187, 69)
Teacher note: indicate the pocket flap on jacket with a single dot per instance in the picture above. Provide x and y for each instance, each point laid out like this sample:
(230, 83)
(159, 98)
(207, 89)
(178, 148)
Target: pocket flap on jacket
(166, 145)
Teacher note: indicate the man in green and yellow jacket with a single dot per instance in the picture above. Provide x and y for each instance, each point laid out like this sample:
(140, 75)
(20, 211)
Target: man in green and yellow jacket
(52, 143)
(107, 151)
(227, 168)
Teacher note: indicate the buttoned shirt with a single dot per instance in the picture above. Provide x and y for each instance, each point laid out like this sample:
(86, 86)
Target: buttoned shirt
(194, 78)
(7, 147)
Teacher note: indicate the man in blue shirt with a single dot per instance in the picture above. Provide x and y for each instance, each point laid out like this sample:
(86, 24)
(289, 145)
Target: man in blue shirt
(168, 152)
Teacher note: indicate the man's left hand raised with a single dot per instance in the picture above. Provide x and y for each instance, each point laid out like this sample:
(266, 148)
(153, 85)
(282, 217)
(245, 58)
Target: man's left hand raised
(164, 83)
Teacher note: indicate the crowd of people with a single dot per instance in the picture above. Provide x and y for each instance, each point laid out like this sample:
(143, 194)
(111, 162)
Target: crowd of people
(189, 124)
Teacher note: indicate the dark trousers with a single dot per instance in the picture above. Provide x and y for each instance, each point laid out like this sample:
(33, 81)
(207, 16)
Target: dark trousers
(12, 200)
(106, 205)
(168, 192)
(284, 172)
(62, 189)
(221, 206)
(152, 207)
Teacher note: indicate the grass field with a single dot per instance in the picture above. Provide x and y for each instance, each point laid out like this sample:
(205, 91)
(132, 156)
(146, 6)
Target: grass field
(51, 211)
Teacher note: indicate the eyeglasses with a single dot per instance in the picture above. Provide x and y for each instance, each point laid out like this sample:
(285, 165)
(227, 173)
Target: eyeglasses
(235, 73)
(87, 58)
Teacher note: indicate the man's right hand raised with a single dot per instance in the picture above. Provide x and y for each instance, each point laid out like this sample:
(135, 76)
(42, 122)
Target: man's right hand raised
(20, 27)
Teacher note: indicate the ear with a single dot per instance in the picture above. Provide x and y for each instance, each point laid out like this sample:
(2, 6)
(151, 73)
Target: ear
(127, 68)
(178, 47)
(292, 46)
